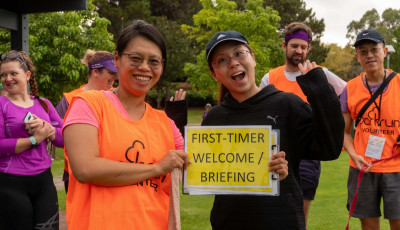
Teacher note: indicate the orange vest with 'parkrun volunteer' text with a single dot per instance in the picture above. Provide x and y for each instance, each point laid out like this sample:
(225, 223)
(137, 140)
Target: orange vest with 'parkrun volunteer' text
(144, 205)
(387, 126)
(279, 80)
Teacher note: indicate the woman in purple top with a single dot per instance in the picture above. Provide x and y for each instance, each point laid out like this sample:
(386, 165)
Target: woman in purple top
(28, 197)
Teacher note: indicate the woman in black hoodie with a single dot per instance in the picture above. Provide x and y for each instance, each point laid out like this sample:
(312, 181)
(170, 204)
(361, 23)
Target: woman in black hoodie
(314, 133)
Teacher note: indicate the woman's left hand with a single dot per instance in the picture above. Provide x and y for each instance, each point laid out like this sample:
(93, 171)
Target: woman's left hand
(179, 95)
(308, 65)
(279, 165)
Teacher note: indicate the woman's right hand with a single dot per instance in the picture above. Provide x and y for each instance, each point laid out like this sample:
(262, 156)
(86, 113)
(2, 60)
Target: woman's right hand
(173, 159)
(43, 132)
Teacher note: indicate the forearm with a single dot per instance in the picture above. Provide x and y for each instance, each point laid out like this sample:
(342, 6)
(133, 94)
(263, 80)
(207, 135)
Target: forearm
(8, 147)
(105, 172)
(58, 140)
(327, 119)
(348, 144)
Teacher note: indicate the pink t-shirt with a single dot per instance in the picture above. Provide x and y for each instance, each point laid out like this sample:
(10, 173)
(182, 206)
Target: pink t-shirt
(82, 113)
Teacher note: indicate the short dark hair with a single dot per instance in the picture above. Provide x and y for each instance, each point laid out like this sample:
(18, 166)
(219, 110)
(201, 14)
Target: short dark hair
(144, 29)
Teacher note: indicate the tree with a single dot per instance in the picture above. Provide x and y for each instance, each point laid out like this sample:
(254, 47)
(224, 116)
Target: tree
(57, 42)
(388, 25)
(341, 61)
(295, 11)
(122, 12)
(180, 11)
(257, 23)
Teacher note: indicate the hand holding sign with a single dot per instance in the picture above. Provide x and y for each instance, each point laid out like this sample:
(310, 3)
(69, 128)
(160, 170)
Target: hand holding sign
(279, 165)
(173, 159)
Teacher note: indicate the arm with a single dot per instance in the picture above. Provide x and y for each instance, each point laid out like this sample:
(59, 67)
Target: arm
(62, 107)
(337, 83)
(323, 137)
(176, 109)
(264, 81)
(55, 121)
(81, 143)
(348, 144)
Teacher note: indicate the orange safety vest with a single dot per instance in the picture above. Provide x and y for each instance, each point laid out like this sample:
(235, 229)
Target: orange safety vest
(388, 126)
(278, 79)
(144, 205)
(68, 96)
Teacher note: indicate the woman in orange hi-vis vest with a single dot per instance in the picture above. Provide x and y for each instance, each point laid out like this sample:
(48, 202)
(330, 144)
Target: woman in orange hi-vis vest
(121, 150)
(102, 74)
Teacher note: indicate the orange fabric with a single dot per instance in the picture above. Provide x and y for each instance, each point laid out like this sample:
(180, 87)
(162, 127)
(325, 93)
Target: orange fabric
(388, 126)
(68, 96)
(278, 79)
(139, 206)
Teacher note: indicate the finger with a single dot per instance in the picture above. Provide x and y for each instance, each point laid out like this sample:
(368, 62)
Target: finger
(176, 95)
(171, 99)
(309, 66)
(280, 154)
(314, 64)
(302, 69)
(183, 95)
(34, 116)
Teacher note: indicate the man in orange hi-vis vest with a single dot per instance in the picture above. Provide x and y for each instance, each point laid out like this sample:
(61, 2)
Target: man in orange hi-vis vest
(296, 45)
(372, 100)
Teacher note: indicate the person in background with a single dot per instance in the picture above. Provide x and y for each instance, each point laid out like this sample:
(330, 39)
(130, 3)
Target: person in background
(376, 132)
(28, 197)
(296, 45)
(207, 107)
(121, 150)
(102, 74)
(313, 132)
(2, 91)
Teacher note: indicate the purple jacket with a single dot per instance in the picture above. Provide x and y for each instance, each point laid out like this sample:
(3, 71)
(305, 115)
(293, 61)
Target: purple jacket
(36, 159)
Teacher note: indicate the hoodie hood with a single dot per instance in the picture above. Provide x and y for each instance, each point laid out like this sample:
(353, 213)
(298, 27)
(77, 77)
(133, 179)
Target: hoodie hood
(231, 102)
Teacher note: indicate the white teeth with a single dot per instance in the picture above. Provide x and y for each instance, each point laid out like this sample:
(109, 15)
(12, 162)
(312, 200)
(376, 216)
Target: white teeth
(237, 74)
(142, 78)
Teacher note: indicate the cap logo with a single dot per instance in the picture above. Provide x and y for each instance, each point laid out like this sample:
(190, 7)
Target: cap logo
(365, 34)
(221, 36)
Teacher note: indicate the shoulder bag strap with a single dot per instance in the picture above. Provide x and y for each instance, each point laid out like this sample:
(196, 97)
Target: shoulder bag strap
(374, 96)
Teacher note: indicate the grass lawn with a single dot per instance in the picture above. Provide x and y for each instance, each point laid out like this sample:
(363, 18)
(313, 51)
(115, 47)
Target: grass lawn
(328, 210)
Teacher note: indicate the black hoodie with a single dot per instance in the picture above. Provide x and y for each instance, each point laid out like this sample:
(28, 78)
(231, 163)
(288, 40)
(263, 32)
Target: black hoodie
(313, 133)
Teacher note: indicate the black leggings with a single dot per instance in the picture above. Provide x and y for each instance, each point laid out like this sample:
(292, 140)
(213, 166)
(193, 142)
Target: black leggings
(28, 202)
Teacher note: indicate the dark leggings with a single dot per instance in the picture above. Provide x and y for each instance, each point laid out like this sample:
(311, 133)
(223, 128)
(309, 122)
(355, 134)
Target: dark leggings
(28, 202)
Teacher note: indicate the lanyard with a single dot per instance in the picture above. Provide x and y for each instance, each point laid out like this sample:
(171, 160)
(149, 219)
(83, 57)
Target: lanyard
(370, 92)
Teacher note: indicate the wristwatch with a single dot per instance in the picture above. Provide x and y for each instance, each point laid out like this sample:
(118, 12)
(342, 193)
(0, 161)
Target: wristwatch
(33, 141)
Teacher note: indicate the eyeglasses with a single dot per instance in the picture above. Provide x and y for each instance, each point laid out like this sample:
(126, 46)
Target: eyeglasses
(238, 55)
(12, 56)
(136, 59)
(364, 52)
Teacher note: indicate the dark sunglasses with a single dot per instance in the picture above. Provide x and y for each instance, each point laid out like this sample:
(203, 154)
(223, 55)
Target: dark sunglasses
(12, 56)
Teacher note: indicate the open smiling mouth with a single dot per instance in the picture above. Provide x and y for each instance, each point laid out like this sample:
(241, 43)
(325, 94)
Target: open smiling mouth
(238, 76)
(142, 78)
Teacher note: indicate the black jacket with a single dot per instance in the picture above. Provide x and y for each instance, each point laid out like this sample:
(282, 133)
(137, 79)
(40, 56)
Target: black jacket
(314, 133)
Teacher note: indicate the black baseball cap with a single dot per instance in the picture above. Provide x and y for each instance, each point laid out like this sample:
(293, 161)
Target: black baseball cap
(371, 35)
(221, 36)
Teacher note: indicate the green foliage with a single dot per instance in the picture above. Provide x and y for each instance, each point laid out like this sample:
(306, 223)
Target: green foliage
(122, 12)
(57, 43)
(340, 61)
(257, 23)
(388, 25)
(180, 11)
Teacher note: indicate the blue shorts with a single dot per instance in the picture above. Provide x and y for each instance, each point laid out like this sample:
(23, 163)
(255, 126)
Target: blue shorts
(373, 188)
(310, 170)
